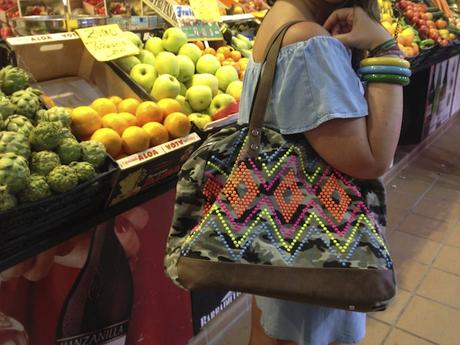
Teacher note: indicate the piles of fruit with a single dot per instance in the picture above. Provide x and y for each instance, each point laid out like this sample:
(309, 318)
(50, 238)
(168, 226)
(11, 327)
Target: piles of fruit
(203, 80)
(39, 156)
(129, 126)
(430, 22)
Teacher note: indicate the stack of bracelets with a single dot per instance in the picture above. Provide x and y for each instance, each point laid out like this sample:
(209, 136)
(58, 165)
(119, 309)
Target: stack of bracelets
(386, 64)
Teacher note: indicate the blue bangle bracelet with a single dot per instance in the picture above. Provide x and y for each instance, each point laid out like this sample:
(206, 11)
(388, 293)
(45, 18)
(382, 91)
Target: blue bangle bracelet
(406, 72)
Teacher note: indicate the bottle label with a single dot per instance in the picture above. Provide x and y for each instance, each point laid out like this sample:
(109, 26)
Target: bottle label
(112, 335)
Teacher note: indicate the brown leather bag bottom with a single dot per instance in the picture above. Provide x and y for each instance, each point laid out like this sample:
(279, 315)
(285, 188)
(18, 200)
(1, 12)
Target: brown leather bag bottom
(362, 290)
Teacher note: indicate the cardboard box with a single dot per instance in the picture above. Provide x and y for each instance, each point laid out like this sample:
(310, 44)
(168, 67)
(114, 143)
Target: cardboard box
(62, 67)
(150, 167)
(70, 76)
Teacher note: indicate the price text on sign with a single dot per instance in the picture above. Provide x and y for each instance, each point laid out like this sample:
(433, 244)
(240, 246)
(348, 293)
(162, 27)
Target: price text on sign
(106, 42)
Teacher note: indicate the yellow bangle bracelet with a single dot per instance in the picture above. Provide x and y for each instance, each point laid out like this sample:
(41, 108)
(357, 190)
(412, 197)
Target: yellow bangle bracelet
(385, 60)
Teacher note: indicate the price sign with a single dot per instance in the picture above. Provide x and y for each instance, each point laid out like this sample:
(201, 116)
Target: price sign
(206, 10)
(106, 42)
(194, 28)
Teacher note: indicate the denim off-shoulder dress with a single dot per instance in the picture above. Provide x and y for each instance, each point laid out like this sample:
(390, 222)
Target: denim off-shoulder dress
(314, 83)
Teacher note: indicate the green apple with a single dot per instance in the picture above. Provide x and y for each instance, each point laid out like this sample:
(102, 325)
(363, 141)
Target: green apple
(144, 74)
(174, 39)
(234, 89)
(154, 45)
(165, 86)
(225, 75)
(199, 97)
(220, 102)
(167, 63)
(200, 120)
(146, 57)
(186, 108)
(206, 79)
(133, 38)
(191, 50)
(127, 63)
(207, 63)
(186, 68)
(183, 89)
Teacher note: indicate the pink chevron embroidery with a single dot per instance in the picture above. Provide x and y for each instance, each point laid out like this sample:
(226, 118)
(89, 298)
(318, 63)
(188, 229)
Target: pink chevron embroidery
(289, 231)
(369, 214)
(263, 201)
(348, 183)
(321, 179)
(292, 159)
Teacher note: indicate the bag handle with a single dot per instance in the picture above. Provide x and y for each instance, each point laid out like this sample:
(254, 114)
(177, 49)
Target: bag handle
(263, 89)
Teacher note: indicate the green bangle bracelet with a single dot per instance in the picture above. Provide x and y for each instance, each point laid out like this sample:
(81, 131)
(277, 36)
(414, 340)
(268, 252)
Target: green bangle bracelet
(386, 78)
(384, 45)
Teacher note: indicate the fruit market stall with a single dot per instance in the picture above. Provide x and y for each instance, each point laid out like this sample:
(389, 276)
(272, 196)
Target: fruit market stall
(105, 135)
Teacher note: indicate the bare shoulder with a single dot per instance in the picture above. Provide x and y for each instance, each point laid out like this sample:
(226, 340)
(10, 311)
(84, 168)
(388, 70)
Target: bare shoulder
(303, 31)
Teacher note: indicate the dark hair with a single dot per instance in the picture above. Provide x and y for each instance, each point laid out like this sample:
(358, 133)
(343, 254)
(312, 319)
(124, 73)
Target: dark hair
(371, 7)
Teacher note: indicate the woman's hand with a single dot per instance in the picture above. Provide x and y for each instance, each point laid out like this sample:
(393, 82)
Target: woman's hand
(354, 28)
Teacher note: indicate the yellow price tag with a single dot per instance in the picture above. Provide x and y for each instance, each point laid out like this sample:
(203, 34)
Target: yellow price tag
(106, 42)
(206, 10)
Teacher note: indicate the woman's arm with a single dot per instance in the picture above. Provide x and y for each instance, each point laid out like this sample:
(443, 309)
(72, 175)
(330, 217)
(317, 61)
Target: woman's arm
(363, 147)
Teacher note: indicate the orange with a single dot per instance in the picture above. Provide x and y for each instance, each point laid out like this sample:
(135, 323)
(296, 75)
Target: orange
(200, 44)
(221, 57)
(238, 10)
(157, 132)
(116, 100)
(103, 106)
(135, 139)
(177, 124)
(128, 105)
(115, 122)
(235, 55)
(209, 51)
(130, 118)
(110, 138)
(148, 112)
(169, 105)
(224, 50)
(121, 155)
(85, 120)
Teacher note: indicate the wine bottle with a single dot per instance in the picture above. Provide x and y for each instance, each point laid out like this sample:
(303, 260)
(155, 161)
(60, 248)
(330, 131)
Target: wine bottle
(98, 307)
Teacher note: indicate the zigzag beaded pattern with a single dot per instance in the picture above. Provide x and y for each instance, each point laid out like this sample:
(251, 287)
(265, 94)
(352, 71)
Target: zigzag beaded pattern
(291, 203)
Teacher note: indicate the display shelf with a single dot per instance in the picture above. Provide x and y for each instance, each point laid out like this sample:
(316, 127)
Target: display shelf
(433, 56)
(67, 231)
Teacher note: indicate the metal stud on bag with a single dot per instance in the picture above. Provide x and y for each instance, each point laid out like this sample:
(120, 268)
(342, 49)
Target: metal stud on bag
(255, 132)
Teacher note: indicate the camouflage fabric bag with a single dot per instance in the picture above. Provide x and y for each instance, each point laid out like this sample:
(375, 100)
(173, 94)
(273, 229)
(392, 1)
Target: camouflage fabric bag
(262, 213)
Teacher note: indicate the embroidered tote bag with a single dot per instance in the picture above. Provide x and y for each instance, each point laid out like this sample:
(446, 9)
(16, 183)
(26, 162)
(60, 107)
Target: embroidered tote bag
(262, 213)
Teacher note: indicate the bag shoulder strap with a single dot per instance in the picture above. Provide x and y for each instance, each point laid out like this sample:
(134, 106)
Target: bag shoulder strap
(263, 89)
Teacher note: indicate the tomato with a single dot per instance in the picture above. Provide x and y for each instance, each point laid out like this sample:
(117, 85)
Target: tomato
(423, 30)
(430, 24)
(421, 22)
(433, 34)
(403, 4)
(443, 42)
(427, 16)
(409, 14)
(441, 24)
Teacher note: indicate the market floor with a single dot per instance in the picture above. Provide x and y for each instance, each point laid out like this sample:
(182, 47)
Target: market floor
(424, 238)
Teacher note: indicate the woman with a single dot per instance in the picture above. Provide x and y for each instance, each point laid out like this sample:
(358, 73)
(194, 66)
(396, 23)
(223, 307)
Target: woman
(317, 92)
